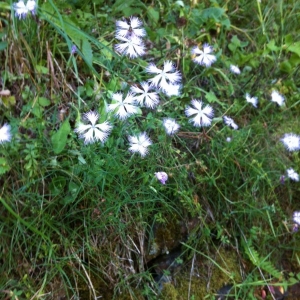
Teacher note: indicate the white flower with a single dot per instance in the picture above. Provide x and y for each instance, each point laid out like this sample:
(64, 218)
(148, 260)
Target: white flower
(93, 132)
(171, 126)
(229, 122)
(277, 98)
(204, 58)
(172, 89)
(130, 29)
(21, 10)
(235, 69)
(296, 217)
(252, 100)
(201, 116)
(164, 77)
(133, 47)
(291, 141)
(161, 176)
(139, 144)
(292, 174)
(228, 139)
(123, 108)
(5, 135)
(144, 96)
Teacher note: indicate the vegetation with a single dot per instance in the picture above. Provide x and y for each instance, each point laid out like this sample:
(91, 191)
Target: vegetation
(140, 207)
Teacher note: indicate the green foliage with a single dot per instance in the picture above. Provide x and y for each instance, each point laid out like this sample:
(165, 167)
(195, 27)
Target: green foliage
(4, 167)
(80, 221)
(59, 139)
(260, 262)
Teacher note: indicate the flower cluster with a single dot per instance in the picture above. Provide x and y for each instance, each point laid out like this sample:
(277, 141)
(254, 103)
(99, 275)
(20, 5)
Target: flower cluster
(130, 33)
(21, 9)
(166, 79)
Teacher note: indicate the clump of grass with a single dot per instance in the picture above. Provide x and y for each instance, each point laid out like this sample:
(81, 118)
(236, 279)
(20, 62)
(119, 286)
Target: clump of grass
(80, 196)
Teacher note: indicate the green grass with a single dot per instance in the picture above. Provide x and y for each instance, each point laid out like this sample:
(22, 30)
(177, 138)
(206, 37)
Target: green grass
(83, 221)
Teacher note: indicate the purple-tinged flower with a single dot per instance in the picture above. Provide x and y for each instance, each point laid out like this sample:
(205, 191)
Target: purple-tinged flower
(73, 49)
(93, 132)
(21, 9)
(281, 179)
(252, 100)
(123, 108)
(139, 144)
(277, 98)
(235, 69)
(170, 125)
(291, 141)
(130, 29)
(168, 75)
(202, 116)
(144, 96)
(204, 58)
(161, 176)
(295, 228)
(292, 174)
(133, 47)
(229, 122)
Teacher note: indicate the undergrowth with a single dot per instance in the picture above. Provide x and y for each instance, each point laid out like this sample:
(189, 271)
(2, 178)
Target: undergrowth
(85, 220)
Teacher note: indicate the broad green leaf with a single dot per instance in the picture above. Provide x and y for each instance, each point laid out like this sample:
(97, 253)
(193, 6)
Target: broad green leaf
(42, 69)
(86, 49)
(59, 139)
(226, 23)
(3, 45)
(295, 48)
(8, 101)
(294, 60)
(212, 98)
(271, 45)
(36, 109)
(213, 13)
(286, 67)
(121, 5)
(153, 14)
(104, 51)
(288, 39)
(44, 101)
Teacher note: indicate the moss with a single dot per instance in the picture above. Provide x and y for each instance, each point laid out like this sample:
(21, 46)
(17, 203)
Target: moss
(166, 237)
(199, 287)
(169, 292)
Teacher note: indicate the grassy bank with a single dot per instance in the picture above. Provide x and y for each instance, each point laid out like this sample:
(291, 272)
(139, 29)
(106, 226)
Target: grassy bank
(149, 150)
